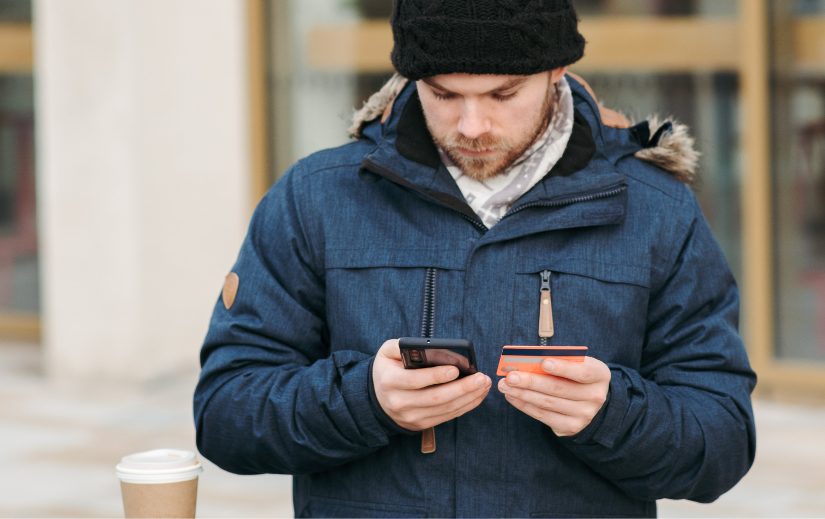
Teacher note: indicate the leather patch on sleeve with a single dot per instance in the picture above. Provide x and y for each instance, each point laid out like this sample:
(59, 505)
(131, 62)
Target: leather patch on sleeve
(230, 289)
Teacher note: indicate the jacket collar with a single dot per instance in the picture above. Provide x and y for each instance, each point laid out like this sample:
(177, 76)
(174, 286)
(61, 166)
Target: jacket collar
(406, 155)
(611, 143)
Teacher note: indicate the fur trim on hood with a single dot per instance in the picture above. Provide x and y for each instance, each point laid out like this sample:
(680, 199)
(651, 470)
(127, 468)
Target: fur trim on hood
(673, 151)
(376, 104)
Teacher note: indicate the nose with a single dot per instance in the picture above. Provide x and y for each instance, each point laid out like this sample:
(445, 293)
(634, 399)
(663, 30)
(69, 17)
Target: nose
(473, 123)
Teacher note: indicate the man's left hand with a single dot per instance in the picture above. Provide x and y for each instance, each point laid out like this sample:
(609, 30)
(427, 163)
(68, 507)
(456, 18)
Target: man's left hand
(566, 399)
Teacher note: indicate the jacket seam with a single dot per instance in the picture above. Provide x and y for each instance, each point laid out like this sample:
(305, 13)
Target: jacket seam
(327, 168)
(369, 505)
(312, 245)
(627, 265)
(416, 249)
(681, 236)
(681, 200)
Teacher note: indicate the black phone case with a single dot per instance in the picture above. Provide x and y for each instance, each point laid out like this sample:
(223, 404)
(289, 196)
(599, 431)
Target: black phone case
(412, 360)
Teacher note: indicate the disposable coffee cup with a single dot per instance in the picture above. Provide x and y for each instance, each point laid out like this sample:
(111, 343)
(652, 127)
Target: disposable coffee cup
(159, 483)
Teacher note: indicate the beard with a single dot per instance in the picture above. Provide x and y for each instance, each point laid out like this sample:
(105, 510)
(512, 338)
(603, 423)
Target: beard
(508, 150)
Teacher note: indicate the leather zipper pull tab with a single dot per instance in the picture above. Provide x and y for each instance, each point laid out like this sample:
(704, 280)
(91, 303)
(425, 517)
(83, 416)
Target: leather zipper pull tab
(428, 440)
(545, 307)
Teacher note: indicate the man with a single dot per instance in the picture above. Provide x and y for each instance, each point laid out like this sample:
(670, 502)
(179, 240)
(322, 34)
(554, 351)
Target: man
(489, 186)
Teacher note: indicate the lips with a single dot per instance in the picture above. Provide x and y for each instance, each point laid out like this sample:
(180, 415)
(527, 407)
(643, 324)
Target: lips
(471, 153)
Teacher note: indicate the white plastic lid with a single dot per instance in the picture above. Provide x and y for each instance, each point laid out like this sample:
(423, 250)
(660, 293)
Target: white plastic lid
(159, 466)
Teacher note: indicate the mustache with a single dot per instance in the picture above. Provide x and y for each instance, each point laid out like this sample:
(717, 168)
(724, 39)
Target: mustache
(486, 142)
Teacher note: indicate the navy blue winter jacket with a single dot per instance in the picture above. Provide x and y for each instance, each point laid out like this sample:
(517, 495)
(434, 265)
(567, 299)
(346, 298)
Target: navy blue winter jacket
(335, 264)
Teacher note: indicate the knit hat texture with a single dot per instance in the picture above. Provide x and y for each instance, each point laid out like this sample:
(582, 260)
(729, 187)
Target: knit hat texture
(518, 37)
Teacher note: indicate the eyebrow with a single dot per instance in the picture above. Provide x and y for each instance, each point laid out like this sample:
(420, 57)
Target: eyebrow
(511, 83)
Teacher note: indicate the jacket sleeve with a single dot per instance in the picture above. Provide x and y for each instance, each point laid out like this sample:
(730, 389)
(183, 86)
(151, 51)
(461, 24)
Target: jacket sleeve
(271, 398)
(682, 426)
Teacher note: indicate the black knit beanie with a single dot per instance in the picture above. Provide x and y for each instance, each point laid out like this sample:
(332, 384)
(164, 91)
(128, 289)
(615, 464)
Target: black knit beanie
(518, 37)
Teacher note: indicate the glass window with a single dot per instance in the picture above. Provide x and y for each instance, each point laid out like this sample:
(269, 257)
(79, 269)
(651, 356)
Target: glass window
(18, 232)
(312, 95)
(18, 236)
(655, 7)
(810, 7)
(16, 11)
(798, 125)
(708, 103)
(311, 102)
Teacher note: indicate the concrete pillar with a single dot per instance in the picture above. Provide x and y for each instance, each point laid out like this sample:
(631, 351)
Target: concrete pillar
(143, 174)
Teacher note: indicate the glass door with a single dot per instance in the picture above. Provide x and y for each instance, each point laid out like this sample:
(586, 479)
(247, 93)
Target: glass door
(798, 143)
(747, 77)
(19, 294)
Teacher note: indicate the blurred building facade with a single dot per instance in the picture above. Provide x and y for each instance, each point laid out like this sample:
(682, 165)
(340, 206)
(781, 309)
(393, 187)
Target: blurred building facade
(141, 164)
(160, 123)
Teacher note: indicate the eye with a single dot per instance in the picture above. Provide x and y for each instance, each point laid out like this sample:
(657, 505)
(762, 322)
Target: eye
(504, 97)
(442, 96)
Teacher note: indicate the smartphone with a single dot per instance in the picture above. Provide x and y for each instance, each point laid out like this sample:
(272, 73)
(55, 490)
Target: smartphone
(420, 352)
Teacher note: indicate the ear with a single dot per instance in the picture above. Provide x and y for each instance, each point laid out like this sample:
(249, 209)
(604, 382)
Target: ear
(609, 117)
(556, 74)
(585, 85)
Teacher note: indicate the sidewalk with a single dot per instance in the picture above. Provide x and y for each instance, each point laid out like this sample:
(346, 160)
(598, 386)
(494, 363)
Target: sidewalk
(60, 445)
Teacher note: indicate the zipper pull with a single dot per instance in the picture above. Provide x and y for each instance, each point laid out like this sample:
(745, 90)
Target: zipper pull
(545, 308)
(428, 440)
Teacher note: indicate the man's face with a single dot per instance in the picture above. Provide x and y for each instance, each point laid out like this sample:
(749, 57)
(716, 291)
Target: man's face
(484, 123)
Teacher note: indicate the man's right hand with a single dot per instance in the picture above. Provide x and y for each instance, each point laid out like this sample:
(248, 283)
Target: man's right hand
(417, 399)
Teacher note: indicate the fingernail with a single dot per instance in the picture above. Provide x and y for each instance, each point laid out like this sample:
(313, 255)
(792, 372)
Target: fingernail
(480, 380)
(452, 373)
(503, 387)
(548, 365)
(513, 379)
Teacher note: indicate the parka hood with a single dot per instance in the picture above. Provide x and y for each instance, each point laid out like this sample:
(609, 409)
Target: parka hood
(665, 142)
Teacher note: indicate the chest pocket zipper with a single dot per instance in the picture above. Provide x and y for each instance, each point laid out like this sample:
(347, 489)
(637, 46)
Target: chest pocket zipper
(427, 330)
(545, 309)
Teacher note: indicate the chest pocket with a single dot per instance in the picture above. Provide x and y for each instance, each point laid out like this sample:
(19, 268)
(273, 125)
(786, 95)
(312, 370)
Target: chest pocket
(603, 307)
(377, 294)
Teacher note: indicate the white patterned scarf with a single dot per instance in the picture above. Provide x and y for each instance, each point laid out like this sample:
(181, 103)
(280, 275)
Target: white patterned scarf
(492, 198)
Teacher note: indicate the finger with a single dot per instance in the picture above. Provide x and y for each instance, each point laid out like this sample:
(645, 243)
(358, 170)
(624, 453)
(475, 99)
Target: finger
(443, 394)
(549, 385)
(589, 371)
(561, 424)
(440, 413)
(390, 349)
(464, 409)
(548, 402)
(421, 378)
(414, 405)
(459, 402)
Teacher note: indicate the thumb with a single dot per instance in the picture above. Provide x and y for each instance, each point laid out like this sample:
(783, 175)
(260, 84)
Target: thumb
(390, 350)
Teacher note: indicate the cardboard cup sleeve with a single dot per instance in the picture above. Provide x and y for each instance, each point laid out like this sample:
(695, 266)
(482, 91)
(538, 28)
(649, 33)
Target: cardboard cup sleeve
(159, 483)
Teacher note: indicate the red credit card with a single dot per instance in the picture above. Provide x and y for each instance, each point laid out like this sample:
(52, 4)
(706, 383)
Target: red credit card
(529, 358)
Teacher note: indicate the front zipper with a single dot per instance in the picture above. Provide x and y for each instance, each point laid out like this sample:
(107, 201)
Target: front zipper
(427, 330)
(545, 308)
